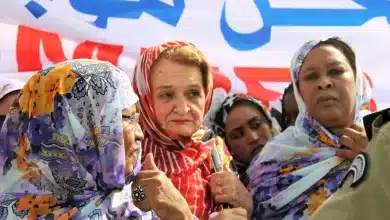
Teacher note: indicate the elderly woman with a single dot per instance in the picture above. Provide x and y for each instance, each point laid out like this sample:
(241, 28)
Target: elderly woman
(9, 89)
(246, 126)
(70, 149)
(174, 83)
(299, 169)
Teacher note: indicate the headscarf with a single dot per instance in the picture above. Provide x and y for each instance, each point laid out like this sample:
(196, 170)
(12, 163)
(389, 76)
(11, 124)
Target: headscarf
(62, 152)
(217, 122)
(298, 170)
(7, 86)
(189, 165)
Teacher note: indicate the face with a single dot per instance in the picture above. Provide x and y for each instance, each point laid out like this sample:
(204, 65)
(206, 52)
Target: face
(178, 98)
(132, 135)
(291, 108)
(5, 105)
(247, 131)
(327, 86)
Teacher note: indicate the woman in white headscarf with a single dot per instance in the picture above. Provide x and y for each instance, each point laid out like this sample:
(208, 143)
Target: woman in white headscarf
(299, 169)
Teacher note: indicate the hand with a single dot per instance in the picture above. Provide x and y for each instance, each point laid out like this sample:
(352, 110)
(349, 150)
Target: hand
(227, 188)
(356, 139)
(161, 195)
(230, 214)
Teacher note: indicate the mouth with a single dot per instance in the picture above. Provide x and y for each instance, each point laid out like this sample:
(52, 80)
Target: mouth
(326, 99)
(257, 150)
(136, 149)
(180, 121)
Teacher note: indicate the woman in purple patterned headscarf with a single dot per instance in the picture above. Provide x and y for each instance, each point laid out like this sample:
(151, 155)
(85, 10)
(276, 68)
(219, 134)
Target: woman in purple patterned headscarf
(70, 147)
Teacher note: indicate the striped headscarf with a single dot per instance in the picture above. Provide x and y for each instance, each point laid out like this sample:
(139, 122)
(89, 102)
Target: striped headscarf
(189, 165)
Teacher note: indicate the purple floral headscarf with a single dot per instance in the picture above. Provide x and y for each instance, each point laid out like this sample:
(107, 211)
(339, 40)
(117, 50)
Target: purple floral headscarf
(62, 150)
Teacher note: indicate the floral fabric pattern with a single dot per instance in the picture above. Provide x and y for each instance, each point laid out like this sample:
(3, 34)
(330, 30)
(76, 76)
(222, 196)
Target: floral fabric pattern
(298, 170)
(62, 154)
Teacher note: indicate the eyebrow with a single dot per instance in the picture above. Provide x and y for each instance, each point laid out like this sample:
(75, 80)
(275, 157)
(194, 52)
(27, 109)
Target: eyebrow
(249, 121)
(170, 87)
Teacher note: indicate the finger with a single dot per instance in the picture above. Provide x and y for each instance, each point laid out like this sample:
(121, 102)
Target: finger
(357, 136)
(225, 198)
(149, 162)
(153, 181)
(143, 205)
(239, 211)
(347, 141)
(148, 174)
(347, 154)
(357, 127)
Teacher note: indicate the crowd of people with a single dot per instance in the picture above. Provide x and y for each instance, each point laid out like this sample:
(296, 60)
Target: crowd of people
(81, 140)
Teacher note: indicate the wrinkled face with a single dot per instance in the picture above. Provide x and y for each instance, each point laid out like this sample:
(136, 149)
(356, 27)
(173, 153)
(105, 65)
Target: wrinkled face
(291, 108)
(246, 132)
(132, 135)
(327, 86)
(178, 98)
(5, 105)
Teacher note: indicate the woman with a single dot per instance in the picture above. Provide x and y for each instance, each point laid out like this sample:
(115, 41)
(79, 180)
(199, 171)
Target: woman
(290, 109)
(246, 126)
(174, 83)
(9, 89)
(299, 169)
(70, 148)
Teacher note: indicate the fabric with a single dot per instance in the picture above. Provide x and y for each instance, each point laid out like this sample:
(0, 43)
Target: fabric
(188, 166)
(9, 85)
(218, 120)
(298, 170)
(370, 198)
(61, 152)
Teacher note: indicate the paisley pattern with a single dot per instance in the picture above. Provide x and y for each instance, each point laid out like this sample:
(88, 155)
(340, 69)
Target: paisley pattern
(61, 148)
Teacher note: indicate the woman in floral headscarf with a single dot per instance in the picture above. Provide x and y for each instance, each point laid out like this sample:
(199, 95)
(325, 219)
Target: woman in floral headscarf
(299, 169)
(70, 148)
(174, 83)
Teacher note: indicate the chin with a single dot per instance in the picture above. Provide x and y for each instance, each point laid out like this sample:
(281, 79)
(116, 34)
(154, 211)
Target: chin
(333, 119)
(177, 132)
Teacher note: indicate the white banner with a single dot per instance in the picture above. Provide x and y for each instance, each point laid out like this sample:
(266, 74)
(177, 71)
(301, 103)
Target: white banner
(251, 42)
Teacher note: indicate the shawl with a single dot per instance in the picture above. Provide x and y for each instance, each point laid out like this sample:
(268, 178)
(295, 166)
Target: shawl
(298, 170)
(62, 152)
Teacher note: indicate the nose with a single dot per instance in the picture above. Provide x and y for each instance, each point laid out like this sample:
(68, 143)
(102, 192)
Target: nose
(181, 106)
(324, 83)
(252, 136)
(138, 134)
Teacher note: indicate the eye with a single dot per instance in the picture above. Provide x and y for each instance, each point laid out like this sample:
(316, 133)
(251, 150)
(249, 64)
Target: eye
(336, 71)
(131, 119)
(236, 134)
(193, 93)
(165, 95)
(255, 124)
(311, 76)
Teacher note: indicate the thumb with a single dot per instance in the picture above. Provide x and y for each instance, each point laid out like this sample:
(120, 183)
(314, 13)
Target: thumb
(149, 162)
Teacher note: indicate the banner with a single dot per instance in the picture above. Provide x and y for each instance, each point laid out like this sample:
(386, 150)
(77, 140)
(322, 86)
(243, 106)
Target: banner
(250, 43)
